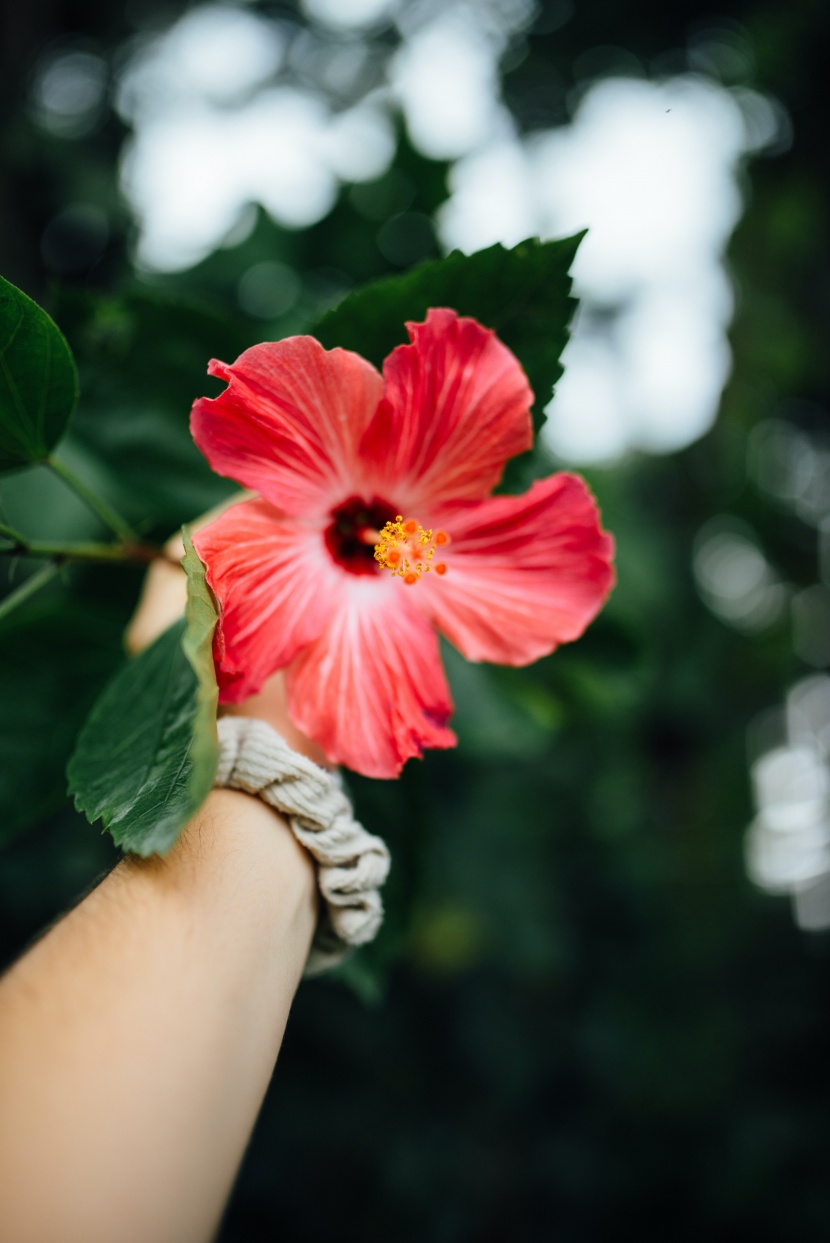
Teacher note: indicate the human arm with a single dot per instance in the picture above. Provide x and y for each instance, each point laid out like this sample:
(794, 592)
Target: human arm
(138, 1036)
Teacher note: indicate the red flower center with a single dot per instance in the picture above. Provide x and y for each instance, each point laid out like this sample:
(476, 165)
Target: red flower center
(353, 533)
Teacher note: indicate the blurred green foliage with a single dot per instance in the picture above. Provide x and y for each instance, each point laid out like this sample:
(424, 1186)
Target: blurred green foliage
(580, 1020)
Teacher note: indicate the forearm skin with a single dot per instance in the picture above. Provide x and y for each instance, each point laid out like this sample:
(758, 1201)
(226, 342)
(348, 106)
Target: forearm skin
(138, 1036)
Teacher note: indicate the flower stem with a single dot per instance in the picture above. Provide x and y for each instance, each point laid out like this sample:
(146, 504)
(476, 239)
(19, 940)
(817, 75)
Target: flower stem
(95, 502)
(28, 588)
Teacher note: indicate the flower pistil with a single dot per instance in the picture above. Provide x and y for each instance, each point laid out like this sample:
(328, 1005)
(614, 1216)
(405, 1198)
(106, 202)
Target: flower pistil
(406, 549)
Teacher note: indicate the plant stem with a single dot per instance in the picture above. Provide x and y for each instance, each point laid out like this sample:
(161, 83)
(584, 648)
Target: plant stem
(96, 503)
(28, 588)
(127, 550)
(10, 533)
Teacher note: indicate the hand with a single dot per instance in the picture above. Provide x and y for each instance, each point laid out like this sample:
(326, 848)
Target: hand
(162, 602)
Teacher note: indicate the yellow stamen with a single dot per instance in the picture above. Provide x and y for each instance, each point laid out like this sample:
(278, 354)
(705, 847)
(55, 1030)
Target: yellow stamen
(406, 549)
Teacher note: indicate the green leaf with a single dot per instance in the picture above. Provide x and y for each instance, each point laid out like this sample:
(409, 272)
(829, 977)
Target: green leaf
(145, 760)
(201, 617)
(38, 380)
(523, 293)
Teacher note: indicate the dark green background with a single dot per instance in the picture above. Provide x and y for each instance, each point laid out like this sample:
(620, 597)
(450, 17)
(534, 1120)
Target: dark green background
(586, 1023)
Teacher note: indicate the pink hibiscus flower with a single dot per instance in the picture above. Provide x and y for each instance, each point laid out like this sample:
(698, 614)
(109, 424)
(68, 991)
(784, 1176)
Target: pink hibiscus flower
(374, 528)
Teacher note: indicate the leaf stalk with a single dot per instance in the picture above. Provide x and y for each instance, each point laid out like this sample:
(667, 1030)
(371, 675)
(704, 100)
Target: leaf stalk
(101, 508)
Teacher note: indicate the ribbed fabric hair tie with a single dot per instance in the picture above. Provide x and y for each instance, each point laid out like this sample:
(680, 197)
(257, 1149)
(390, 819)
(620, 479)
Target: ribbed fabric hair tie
(351, 863)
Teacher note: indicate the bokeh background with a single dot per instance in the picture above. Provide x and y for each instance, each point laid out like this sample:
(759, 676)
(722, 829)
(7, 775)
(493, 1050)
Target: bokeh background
(599, 1006)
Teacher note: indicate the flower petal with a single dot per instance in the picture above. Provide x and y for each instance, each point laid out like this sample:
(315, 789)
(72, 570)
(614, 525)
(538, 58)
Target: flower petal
(276, 587)
(371, 689)
(289, 422)
(524, 573)
(456, 407)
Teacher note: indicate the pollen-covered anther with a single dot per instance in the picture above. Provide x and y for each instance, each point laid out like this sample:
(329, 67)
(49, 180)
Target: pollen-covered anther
(406, 549)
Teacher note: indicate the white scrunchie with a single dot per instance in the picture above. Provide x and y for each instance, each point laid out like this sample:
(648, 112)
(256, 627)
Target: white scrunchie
(351, 863)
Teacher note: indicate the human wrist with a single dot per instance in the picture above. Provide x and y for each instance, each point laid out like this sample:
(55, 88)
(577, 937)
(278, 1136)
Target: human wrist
(352, 864)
